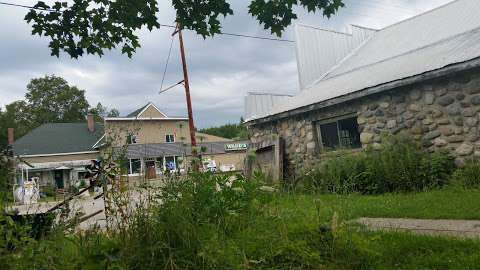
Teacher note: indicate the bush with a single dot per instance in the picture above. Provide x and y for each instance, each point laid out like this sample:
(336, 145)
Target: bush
(399, 165)
(469, 175)
(203, 222)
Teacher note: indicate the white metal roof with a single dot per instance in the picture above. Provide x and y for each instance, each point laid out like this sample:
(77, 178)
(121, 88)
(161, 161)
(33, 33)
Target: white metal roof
(258, 104)
(447, 35)
(319, 50)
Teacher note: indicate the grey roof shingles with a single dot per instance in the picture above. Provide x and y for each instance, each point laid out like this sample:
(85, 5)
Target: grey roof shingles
(55, 138)
(173, 149)
(136, 112)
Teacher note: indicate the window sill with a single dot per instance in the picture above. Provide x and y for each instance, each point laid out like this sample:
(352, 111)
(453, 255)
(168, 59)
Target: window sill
(338, 152)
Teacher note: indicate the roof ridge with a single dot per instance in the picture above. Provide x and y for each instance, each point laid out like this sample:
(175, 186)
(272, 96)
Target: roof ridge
(269, 94)
(339, 64)
(326, 29)
(420, 14)
(406, 53)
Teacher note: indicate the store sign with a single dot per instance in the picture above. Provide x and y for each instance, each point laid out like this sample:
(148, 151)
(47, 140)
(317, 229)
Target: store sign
(235, 146)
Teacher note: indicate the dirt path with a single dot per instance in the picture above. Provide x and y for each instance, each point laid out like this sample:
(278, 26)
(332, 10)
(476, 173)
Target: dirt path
(456, 228)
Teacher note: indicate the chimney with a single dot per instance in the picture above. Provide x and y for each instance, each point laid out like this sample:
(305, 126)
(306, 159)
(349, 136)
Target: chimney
(90, 123)
(11, 137)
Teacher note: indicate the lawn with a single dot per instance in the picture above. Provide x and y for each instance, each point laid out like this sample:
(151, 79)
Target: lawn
(438, 204)
(386, 250)
(250, 229)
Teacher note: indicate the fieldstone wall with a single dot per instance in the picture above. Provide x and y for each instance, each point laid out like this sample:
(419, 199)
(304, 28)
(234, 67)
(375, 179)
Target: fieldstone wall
(441, 114)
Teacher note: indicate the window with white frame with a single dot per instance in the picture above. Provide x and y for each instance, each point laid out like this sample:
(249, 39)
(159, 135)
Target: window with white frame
(135, 166)
(132, 139)
(339, 133)
(170, 138)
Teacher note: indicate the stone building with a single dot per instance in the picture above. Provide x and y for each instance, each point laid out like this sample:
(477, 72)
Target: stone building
(420, 76)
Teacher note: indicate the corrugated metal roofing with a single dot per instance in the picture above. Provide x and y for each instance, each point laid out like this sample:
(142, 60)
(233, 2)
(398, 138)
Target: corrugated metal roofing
(319, 50)
(447, 35)
(417, 32)
(258, 104)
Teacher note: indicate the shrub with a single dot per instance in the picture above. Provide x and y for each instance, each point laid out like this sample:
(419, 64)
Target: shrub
(205, 221)
(399, 165)
(49, 191)
(469, 175)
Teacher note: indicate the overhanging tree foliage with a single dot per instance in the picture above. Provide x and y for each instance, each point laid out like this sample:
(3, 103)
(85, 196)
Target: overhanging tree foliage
(100, 112)
(91, 26)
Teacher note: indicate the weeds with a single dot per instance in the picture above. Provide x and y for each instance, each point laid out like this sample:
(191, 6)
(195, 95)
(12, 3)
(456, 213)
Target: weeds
(400, 165)
(469, 175)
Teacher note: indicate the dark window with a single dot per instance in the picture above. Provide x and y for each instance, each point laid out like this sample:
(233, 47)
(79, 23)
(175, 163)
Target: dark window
(339, 134)
(170, 138)
(82, 175)
(135, 166)
(132, 139)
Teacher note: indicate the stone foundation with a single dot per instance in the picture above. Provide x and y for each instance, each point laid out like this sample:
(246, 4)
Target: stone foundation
(441, 114)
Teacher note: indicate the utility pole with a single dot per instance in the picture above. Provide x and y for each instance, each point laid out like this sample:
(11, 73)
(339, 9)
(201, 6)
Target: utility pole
(191, 125)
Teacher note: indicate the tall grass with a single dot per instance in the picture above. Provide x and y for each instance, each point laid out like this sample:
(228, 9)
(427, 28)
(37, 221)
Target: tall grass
(202, 222)
(468, 176)
(399, 165)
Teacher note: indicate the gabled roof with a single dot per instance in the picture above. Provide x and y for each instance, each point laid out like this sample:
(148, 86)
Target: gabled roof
(428, 42)
(58, 138)
(319, 50)
(149, 106)
(146, 112)
(137, 111)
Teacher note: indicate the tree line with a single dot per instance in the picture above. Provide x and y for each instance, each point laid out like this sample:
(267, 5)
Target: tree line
(49, 99)
(230, 131)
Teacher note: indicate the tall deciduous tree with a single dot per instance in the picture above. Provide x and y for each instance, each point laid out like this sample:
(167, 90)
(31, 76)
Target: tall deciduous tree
(91, 26)
(113, 113)
(51, 99)
(17, 115)
(100, 112)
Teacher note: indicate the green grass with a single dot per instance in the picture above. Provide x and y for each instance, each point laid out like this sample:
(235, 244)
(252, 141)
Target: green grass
(249, 229)
(388, 250)
(47, 199)
(438, 204)
(407, 251)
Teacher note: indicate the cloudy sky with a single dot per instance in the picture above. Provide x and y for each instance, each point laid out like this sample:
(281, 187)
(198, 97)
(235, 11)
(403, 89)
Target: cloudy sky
(222, 69)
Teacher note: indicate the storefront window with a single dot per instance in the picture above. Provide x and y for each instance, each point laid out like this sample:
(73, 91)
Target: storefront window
(135, 166)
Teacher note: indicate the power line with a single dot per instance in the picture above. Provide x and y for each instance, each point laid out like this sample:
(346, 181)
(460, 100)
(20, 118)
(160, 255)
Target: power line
(168, 25)
(241, 35)
(24, 6)
(166, 65)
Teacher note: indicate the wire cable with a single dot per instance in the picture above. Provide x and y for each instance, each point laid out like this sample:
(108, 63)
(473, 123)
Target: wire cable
(166, 64)
(164, 25)
(24, 6)
(240, 35)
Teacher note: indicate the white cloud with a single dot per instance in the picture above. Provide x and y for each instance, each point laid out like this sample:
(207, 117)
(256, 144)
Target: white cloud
(222, 70)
